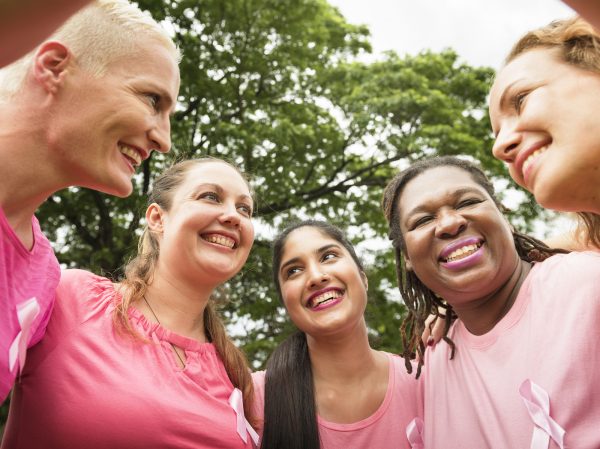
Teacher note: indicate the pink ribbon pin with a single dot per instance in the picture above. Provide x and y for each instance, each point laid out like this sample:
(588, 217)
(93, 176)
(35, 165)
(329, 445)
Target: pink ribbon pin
(26, 313)
(243, 426)
(537, 403)
(414, 433)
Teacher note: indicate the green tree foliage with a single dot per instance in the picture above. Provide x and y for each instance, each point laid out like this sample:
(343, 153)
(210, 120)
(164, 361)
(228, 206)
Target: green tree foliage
(275, 87)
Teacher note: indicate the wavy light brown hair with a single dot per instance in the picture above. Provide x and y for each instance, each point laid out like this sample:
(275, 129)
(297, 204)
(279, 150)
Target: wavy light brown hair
(578, 44)
(139, 272)
(420, 301)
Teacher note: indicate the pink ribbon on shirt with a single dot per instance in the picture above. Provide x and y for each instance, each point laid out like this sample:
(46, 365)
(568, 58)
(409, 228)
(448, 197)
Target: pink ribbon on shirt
(537, 403)
(414, 432)
(26, 312)
(243, 426)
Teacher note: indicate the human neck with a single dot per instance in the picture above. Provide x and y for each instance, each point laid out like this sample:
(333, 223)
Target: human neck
(27, 173)
(178, 306)
(480, 316)
(342, 358)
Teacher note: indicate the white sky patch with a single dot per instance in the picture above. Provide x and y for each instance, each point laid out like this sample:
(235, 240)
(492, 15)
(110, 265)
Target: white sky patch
(480, 31)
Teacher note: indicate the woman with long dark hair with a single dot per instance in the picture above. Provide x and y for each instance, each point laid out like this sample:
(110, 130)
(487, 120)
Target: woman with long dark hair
(325, 387)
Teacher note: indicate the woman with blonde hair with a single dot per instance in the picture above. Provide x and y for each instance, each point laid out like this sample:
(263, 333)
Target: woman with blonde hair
(146, 362)
(543, 109)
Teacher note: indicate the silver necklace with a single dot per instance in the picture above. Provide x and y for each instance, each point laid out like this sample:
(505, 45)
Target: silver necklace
(158, 321)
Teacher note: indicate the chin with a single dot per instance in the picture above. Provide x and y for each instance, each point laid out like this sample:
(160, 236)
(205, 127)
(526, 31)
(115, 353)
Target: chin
(121, 190)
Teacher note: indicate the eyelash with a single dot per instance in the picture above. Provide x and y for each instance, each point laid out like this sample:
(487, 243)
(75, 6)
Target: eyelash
(427, 218)
(518, 100)
(293, 270)
(468, 202)
(213, 196)
(154, 100)
(324, 258)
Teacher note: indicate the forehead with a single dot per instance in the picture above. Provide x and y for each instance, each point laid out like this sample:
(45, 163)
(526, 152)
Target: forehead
(152, 62)
(531, 66)
(436, 184)
(306, 241)
(218, 173)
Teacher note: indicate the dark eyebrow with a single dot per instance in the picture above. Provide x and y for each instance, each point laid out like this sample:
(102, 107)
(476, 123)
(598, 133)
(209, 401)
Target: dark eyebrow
(320, 250)
(455, 194)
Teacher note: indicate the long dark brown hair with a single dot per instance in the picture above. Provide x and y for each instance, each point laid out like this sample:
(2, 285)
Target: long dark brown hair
(420, 301)
(290, 407)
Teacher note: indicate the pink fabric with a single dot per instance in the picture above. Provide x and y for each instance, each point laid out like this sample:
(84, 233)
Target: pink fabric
(385, 429)
(25, 275)
(88, 386)
(551, 338)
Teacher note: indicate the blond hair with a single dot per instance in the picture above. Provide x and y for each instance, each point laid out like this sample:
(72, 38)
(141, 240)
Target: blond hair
(578, 44)
(139, 272)
(98, 34)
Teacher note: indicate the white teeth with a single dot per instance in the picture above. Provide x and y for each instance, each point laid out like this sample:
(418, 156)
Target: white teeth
(220, 240)
(463, 252)
(532, 157)
(324, 297)
(131, 153)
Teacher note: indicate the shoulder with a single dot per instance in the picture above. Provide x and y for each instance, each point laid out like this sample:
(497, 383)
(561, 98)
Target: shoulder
(566, 279)
(79, 282)
(259, 394)
(399, 368)
(258, 378)
(81, 294)
(575, 266)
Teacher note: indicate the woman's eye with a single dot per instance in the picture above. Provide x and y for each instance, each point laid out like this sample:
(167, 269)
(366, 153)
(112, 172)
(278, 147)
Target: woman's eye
(245, 210)
(422, 221)
(329, 256)
(211, 196)
(153, 99)
(468, 202)
(518, 101)
(291, 271)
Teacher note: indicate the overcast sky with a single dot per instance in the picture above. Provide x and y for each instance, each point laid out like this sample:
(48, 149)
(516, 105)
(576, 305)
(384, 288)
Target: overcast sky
(481, 31)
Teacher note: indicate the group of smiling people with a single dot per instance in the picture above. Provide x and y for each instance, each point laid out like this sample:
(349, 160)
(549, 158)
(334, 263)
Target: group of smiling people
(146, 361)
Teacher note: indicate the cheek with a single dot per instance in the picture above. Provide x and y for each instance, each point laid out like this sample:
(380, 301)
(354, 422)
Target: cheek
(249, 232)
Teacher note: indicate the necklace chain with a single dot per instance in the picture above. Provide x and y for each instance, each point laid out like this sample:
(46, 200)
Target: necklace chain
(158, 321)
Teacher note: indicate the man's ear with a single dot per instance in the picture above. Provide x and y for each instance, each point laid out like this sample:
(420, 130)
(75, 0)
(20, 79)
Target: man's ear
(50, 63)
(155, 218)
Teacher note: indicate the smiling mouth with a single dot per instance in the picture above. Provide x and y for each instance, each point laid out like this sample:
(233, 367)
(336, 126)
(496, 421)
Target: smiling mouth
(532, 157)
(133, 155)
(463, 252)
(219, 239)
(324, 298)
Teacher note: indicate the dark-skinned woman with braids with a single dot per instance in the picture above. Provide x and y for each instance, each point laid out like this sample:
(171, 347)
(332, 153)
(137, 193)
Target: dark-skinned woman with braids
(521, 366)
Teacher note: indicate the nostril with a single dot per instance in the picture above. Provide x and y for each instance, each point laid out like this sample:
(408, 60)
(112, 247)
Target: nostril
(510, 147)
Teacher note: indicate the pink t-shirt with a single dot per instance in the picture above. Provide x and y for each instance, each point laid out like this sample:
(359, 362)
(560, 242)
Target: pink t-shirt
(384, 429)
(551, 337)
(88, 386)
(28, 280)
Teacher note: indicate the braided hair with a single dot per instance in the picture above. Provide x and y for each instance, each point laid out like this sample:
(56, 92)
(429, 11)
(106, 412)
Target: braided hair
(420, 301)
